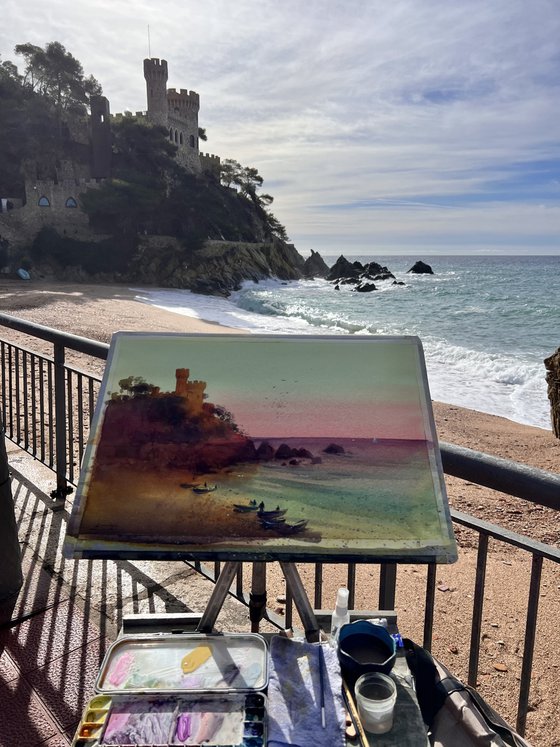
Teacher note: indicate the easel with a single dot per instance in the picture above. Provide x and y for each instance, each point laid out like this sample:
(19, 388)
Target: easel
(258, 597)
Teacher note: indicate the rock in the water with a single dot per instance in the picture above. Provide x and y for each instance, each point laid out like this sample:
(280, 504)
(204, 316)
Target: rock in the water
(342, 268)
(284, 452)
(265, 451)
(421, 268)
(303, 453)
(365, 287)
(397, 282)
(315, 266)
(334, 449)
(375, 271)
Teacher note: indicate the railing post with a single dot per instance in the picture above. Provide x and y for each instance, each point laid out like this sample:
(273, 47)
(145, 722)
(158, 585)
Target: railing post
(478, 602)
(387, 586)
(529, 645)
(60, 423)
(429, 609)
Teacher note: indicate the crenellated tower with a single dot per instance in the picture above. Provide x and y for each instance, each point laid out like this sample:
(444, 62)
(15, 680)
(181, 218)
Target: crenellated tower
(155, 73)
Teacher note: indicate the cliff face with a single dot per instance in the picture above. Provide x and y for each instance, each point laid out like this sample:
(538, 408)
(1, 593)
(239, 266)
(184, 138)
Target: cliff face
(219, 267)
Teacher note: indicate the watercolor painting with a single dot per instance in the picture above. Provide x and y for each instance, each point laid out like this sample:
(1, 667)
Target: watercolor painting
(263, 447)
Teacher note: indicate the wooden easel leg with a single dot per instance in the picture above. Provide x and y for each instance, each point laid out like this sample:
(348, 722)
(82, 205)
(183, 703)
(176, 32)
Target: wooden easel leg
(303, 605)
(218, 596)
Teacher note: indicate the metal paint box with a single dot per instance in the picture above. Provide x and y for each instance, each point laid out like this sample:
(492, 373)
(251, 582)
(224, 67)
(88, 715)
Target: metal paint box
(179, 689)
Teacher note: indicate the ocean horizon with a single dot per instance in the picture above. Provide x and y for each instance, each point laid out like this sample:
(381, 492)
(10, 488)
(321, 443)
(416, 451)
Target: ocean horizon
(486, 322)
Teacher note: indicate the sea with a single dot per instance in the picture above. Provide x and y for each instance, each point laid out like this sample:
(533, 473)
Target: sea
(486, 322)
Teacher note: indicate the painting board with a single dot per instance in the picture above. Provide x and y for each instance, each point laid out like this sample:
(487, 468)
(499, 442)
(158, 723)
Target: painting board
(249, 447)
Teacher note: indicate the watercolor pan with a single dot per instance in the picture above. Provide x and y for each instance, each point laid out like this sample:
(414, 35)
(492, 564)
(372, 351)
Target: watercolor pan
(185, 663)
(180, 689)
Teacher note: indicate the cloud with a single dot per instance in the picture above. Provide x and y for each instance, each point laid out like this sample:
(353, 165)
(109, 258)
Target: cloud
(448, 106)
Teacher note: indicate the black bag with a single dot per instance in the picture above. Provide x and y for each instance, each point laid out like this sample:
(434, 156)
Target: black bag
(455, 714)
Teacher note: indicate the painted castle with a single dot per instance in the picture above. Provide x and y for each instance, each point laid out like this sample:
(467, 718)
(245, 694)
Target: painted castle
(53, 202)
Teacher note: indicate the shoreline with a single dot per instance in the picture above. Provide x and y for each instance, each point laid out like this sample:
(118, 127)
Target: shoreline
(96, 311)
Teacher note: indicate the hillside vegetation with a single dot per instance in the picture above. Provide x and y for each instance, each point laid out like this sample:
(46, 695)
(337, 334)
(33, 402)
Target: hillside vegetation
(44, 122)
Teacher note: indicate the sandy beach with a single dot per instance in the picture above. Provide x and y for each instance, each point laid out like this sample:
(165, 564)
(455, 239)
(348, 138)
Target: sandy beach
(96, 311)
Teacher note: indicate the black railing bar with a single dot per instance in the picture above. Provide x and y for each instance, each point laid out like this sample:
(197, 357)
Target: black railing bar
(529, 645)
(91, 399)
(3, 365)
(85, 374)
(478, 602)
(318, 586)
(80, 385)
(10, 392)
(506, 535)
(50, 395)
(351, 583)
(530, 483)
(25, 389)
(429, 608)
(74, 342)
(18, 408)
(70, 428)
(34, 401)
(42, 409)
(387, 585)
(289, 613)
(26, 350)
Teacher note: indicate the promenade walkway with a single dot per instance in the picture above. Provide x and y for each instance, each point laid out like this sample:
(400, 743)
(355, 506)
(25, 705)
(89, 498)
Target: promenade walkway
(68, 613)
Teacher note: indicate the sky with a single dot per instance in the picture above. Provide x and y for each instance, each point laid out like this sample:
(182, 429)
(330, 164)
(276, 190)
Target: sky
(353, 387)
(380, 126)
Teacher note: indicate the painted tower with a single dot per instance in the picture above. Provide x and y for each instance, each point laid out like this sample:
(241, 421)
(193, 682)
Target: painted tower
(177, 111)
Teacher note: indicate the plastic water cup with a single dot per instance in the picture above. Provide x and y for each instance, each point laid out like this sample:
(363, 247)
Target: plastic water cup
(376, 694)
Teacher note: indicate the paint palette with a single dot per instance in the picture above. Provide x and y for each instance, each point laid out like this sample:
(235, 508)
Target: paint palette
(228, 720)
(179, 690)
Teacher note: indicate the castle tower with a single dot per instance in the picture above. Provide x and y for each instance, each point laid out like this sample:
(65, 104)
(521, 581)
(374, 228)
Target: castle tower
(155, 73)
(100, 137)
(181, 381)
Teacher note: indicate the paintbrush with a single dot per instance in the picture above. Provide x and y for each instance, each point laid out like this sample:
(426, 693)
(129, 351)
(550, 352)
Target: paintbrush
(322, 685)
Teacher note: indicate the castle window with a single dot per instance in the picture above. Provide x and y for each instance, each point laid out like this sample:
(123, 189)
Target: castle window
(71, 203)
(192, 141)
(180, 138)
(176, 136)
(44, 202)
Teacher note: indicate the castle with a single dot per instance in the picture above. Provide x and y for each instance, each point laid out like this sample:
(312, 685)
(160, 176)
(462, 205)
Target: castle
(192, 392)
(53, 202)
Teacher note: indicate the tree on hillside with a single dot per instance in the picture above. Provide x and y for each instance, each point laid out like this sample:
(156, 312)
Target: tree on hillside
(143, 170)
(57, 75)
(248, 180)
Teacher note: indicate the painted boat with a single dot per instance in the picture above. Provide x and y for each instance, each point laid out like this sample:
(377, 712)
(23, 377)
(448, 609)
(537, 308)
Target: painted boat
(271, 514)
(272, 523)
(285, 529)
(204, 488)
(244, 509)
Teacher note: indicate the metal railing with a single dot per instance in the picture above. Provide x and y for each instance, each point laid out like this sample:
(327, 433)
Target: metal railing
(47, 406)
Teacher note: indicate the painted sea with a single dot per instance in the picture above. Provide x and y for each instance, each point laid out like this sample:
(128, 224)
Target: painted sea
(486, 322)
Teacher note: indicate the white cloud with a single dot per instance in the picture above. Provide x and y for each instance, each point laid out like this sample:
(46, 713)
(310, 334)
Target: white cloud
(343, 103)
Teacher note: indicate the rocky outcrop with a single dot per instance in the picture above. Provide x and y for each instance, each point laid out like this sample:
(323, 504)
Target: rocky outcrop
(362, 276)
(315, 266)
(220, 266)
(342, 268)
(552, 365)
(421, 268)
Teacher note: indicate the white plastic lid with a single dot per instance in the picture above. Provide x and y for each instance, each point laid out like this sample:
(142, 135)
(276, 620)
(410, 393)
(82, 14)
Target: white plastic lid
(342, 600)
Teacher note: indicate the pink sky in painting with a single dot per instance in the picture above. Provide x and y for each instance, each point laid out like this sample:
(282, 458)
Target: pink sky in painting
(318, 418)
